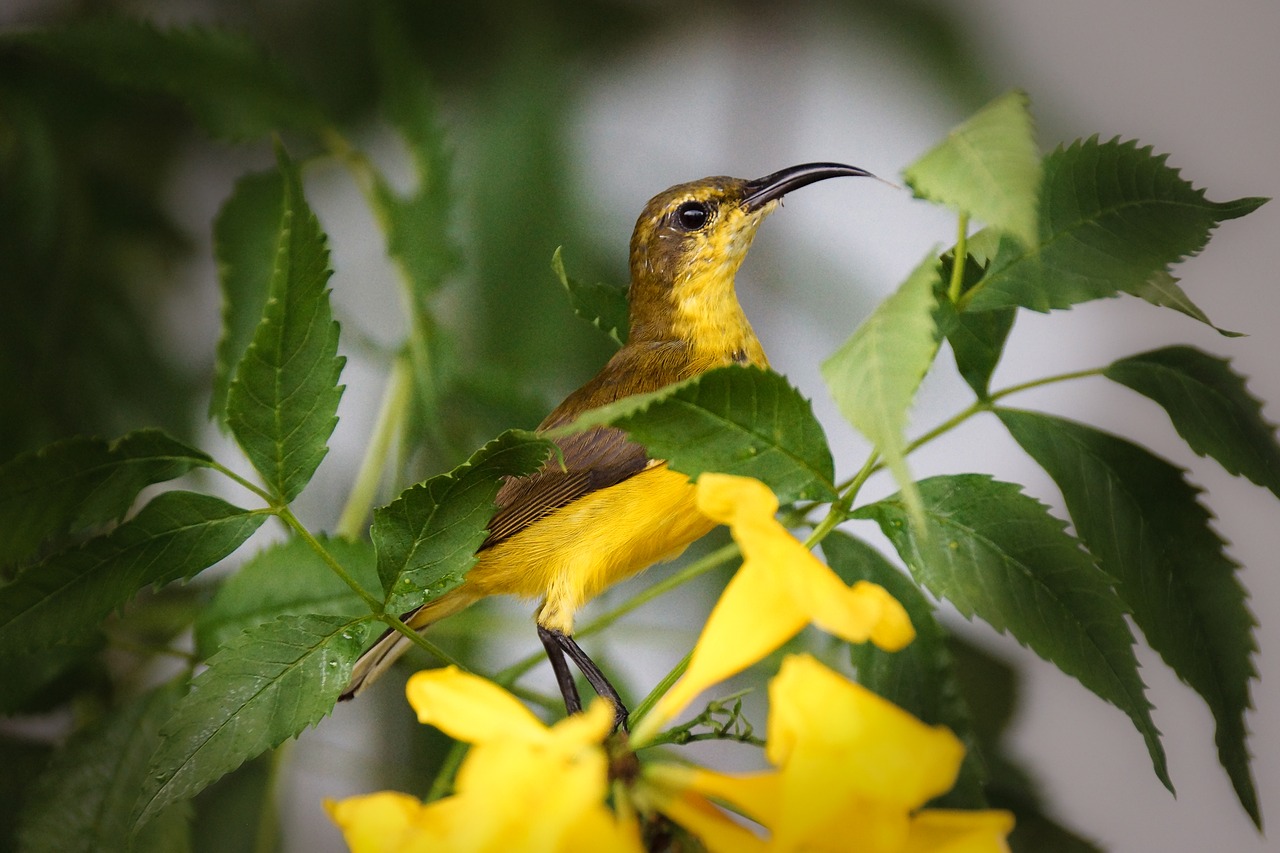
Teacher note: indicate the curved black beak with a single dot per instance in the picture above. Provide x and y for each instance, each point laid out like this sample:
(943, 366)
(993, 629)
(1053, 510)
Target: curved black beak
(761, 191)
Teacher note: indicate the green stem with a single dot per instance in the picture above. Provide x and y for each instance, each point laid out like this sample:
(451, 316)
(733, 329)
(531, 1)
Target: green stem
(374, 604)
(1048, 380)
(839, 510)
(262, 493)
(646, 705)
(391, 414)
(959, 259)
(420, 641)
(268, 831)
(442, 785)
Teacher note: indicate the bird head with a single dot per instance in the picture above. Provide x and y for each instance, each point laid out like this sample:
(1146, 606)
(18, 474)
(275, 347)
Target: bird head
(689, 242)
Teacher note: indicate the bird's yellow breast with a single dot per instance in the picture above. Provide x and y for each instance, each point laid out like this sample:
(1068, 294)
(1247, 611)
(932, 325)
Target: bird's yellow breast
(572, 554)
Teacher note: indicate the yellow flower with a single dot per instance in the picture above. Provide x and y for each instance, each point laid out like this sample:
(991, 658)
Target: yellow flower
(852, 771)
(780, 588)
(524, 786)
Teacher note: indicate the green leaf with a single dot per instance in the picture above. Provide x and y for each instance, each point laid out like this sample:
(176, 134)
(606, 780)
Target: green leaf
(998, 554)
(988, 166)
(427, 538)
(601, 305)
(1162, 291)
(228, 83)
(244, 241)
(874, 375)
(736, 419)
(282, 403)
(23, 759)
(267, 685)
(1210, 408)
(63, 597)
(416, 222)
(35, 682)
(84, 799)
(286, 579)
(977, 338)
(1113, 217)
(1140, 517)
(920, 678)
(80, 482)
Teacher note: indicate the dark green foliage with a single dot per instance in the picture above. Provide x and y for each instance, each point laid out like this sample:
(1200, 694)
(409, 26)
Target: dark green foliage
(229, 85)
(1210, 407)
(427, 538)
(282, 402)
(64, 596)
(244, 239)
(79, 483)
(603, 306)
(1142, 520)
(1112, 217)
(288, 579)
(998, 554)
(266, 686)
(99, 772)
(736, 419)
(91, 113)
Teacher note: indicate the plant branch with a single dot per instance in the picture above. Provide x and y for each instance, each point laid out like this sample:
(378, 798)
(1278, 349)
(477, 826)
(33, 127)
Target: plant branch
(391, 414)
(959, 259)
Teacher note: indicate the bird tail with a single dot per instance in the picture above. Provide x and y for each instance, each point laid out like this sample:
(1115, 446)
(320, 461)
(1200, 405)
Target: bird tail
(392, 644)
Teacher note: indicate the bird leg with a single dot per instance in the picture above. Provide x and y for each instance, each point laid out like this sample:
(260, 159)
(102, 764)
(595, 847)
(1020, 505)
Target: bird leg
(557, 645)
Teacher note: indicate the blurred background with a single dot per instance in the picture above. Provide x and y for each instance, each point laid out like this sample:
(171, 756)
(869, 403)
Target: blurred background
(562, 119)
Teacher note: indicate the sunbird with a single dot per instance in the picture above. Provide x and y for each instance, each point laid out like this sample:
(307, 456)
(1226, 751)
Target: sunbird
(603, 510)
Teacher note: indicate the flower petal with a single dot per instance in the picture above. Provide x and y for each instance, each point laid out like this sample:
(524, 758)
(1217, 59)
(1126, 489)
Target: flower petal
(780, 587)
(753, 617)
(826, 731)
(469, 708)
(670, 790)
(757, 795)
(948, 831)
(385, 822)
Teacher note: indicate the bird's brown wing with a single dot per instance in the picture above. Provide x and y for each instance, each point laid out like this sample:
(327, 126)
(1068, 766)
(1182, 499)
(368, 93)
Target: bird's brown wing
(595, 459)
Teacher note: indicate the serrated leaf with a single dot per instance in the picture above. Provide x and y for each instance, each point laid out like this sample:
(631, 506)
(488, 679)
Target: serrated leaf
(1140, 517)
(989, 167)
(283, 401)
(426, 539)
(83, 801)
(66, 595)
(287, 579)
(1209, 406)
(736, 419)
(80, 482)
(269, 684)
(874, 375)
(977, 338)
(1112, 217)
(601, 305)
(244, 242)
(231, 87)
(998, 554)
(1162, 291)
(920, 678)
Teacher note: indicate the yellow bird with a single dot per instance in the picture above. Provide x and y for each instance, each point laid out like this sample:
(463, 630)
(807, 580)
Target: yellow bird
(566, 532)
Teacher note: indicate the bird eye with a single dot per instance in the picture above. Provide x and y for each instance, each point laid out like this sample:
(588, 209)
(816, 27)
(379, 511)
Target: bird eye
(692, 215)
